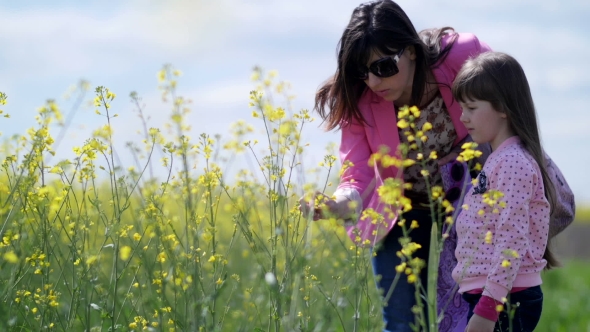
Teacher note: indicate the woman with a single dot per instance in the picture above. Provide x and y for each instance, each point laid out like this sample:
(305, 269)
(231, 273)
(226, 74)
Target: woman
(383, 64)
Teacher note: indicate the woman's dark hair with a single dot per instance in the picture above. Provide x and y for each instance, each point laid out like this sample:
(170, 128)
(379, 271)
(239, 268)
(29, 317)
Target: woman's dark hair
(499, 79)
(377, 26)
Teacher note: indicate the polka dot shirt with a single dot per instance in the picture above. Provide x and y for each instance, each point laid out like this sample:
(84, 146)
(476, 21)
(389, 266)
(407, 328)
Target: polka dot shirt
(501, 243)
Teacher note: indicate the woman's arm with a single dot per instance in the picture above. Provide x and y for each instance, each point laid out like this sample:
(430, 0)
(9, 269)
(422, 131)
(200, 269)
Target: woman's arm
(356, 178)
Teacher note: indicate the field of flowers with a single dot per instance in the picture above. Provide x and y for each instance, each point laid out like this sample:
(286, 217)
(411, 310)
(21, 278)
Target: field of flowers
(91, 245)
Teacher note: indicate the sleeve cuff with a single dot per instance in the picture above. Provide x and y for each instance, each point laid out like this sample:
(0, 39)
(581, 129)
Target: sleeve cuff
(495, 290)
(350, 195)
(486, 308)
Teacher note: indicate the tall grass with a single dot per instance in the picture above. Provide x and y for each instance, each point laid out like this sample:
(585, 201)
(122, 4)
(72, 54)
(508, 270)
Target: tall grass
(89, 244)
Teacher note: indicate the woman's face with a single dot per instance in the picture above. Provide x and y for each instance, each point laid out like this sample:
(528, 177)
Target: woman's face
(396, 88)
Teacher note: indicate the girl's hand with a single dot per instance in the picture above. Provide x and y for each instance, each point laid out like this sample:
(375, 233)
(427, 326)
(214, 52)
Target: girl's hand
(480, 324)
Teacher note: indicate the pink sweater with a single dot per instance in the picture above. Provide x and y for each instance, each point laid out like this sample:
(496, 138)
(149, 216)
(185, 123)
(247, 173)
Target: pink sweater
(522, 225)
(360, 182)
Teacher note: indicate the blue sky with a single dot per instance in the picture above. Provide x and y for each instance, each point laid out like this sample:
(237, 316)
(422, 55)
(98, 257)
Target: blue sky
(48, 46)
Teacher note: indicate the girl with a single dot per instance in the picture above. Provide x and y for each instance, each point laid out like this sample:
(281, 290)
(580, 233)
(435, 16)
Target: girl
(503, 234)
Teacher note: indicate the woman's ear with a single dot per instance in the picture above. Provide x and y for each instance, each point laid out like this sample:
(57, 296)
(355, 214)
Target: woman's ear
(412, 52)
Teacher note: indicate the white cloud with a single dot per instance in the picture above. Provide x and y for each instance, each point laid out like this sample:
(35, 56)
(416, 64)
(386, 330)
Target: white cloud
(217, 42)
(564, 77)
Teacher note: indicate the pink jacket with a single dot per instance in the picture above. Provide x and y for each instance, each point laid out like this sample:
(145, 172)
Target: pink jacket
(521, 226)
(359, 141)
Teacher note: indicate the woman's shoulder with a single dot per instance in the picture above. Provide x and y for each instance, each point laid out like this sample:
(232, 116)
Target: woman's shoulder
(463, 45)
(462, 40)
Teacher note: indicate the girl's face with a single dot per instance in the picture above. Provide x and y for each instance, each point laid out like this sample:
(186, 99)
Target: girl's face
(484, 123)
(397, 88)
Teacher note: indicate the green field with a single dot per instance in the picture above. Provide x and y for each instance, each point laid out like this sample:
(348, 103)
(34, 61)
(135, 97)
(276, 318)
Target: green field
(91, 245)
(566, 304)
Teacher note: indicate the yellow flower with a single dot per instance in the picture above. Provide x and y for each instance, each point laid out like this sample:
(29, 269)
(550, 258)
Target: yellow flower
(161, 257)
(408, 162)
(410, 248)
(403, 112)
(403, 124)
(488, 238)
(11, 257)
(125, 252)
(506, 263)
(207, 237)
(400, 268)
(212, 259)
(500, 308)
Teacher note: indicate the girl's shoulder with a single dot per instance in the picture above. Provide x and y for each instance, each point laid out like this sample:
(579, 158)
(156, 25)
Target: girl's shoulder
(512, 159)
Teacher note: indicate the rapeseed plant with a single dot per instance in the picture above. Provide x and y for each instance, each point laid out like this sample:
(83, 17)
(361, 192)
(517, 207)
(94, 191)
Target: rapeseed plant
(90, 244)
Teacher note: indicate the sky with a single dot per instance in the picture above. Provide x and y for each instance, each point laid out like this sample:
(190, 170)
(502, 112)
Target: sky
(46, 47)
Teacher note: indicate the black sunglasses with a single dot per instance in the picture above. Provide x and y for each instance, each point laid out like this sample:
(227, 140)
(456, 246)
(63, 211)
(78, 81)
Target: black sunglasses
(384, 67)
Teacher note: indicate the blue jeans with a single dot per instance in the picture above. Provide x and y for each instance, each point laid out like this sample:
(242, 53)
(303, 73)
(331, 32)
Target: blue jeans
(397, 313)
(527, 313)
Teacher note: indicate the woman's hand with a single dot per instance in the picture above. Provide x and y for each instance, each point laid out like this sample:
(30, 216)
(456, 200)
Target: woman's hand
(448, 158)
(480, 324)
(314, 206)
(322, 206)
